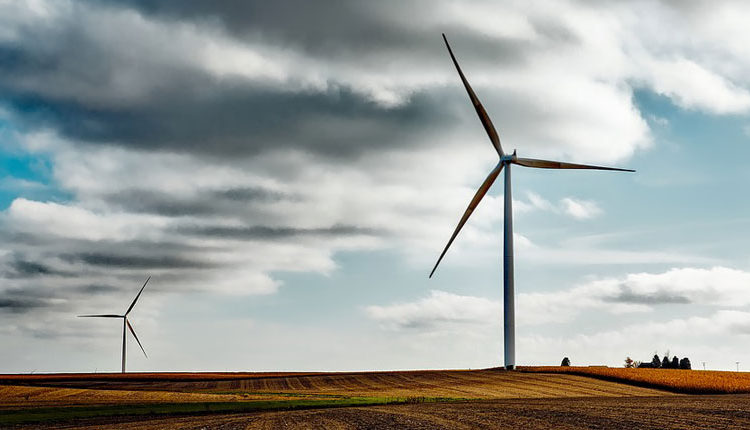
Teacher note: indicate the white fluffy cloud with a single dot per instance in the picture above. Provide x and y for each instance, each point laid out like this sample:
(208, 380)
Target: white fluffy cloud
(437, 311)
(638, 292)
(573, 207)
(580, 209)
(710, 338)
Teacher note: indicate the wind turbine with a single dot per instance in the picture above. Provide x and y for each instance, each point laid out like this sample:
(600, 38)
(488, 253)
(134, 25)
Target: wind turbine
(125, 323)
(506, 160)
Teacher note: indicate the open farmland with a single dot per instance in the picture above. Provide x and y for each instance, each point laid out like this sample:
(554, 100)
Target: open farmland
(53, 398)
(676, 380)
(611, 413)
(455, 384)
(534, 398)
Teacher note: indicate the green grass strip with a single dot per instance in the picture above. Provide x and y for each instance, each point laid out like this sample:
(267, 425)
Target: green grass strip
(55, 414)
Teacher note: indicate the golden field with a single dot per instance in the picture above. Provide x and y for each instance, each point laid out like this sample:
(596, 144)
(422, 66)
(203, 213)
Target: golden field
(531, 398)
(74, 389)
(675, 380)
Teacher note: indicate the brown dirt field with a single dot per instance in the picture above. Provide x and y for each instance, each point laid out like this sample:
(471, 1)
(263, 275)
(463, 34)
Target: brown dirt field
(465, 384)
(668, 412)
(14, 397)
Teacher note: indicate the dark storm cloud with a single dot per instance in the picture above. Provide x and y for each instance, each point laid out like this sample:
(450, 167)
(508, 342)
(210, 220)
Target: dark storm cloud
(31, 246)
(336, 29)
(146, 201)
(230, 201)
(23, 267)
(627, 295)
(252, 194)
(271, 233)
(96, 289)
(32, 297)
(30, 268)
(238, 120)
(135, 261)
(63, 76)
(20, 305)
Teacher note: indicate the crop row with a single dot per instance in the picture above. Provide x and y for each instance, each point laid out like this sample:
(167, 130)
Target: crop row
(676, 380)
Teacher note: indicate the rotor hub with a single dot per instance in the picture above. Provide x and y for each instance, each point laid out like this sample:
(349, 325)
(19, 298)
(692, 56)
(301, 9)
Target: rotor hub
(506, 158)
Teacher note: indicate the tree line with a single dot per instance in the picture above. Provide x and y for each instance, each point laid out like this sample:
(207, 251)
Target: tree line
(657, 363)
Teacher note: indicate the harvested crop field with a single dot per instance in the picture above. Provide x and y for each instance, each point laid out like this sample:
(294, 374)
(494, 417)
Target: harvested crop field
(66, 399)
(676, 380)
(670, 412)
(13, 396)
(461, 384)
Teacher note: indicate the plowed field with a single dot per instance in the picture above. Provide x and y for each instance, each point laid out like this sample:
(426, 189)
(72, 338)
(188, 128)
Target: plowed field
(671, 412)
(461, 384)
(103, 399)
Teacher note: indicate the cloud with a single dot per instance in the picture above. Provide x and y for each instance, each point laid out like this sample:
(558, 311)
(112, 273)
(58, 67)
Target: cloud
(580, 209)
(134, 261)
(273, 233)
(635, 293)
(336, 102)
(639, 292)
(575, 208)
(219, 144)
(438, 311)
(718, 286)
(707, 338)
(691, 86)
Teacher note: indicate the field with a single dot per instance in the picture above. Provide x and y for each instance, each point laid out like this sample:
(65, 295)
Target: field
(679, 381)
(532, 398)
(611, 413)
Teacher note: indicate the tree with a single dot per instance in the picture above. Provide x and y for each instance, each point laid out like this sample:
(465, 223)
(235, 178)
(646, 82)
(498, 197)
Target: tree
(629, 364)
(655, 362)
(675, 362)
(665, 363)
(565, 362)
(685, 364)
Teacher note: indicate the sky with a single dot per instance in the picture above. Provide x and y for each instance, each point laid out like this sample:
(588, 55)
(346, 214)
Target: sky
(288, 172)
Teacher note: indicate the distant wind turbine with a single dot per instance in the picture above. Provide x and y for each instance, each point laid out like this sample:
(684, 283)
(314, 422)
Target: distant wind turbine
(125, 323)
(506, 161)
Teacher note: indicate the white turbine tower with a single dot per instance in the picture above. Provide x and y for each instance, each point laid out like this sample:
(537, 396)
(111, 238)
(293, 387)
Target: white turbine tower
(506, 160)
(125, 323)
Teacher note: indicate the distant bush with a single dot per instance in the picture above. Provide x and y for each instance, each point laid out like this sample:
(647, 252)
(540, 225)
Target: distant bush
(629, 364)
(664, 363)
(565, 362)
(685, 364)
(655, 362)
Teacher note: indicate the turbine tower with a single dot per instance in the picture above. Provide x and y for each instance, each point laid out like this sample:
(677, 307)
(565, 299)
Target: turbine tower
(506, 160)
(125, 323)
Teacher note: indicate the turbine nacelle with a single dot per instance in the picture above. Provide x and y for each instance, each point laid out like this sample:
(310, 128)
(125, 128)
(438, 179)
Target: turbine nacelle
(505, 158)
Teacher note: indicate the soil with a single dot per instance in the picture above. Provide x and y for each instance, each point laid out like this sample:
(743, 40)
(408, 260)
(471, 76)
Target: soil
(627, 413)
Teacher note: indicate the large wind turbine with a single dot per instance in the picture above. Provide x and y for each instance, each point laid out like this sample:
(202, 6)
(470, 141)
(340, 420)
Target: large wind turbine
(125, 323)
(506, 160)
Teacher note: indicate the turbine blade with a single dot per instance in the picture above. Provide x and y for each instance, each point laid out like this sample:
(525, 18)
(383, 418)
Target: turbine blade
(135, 336)
(486, 121)
(136, 297)
(472, 205)
(547, 164)
(101, 316)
